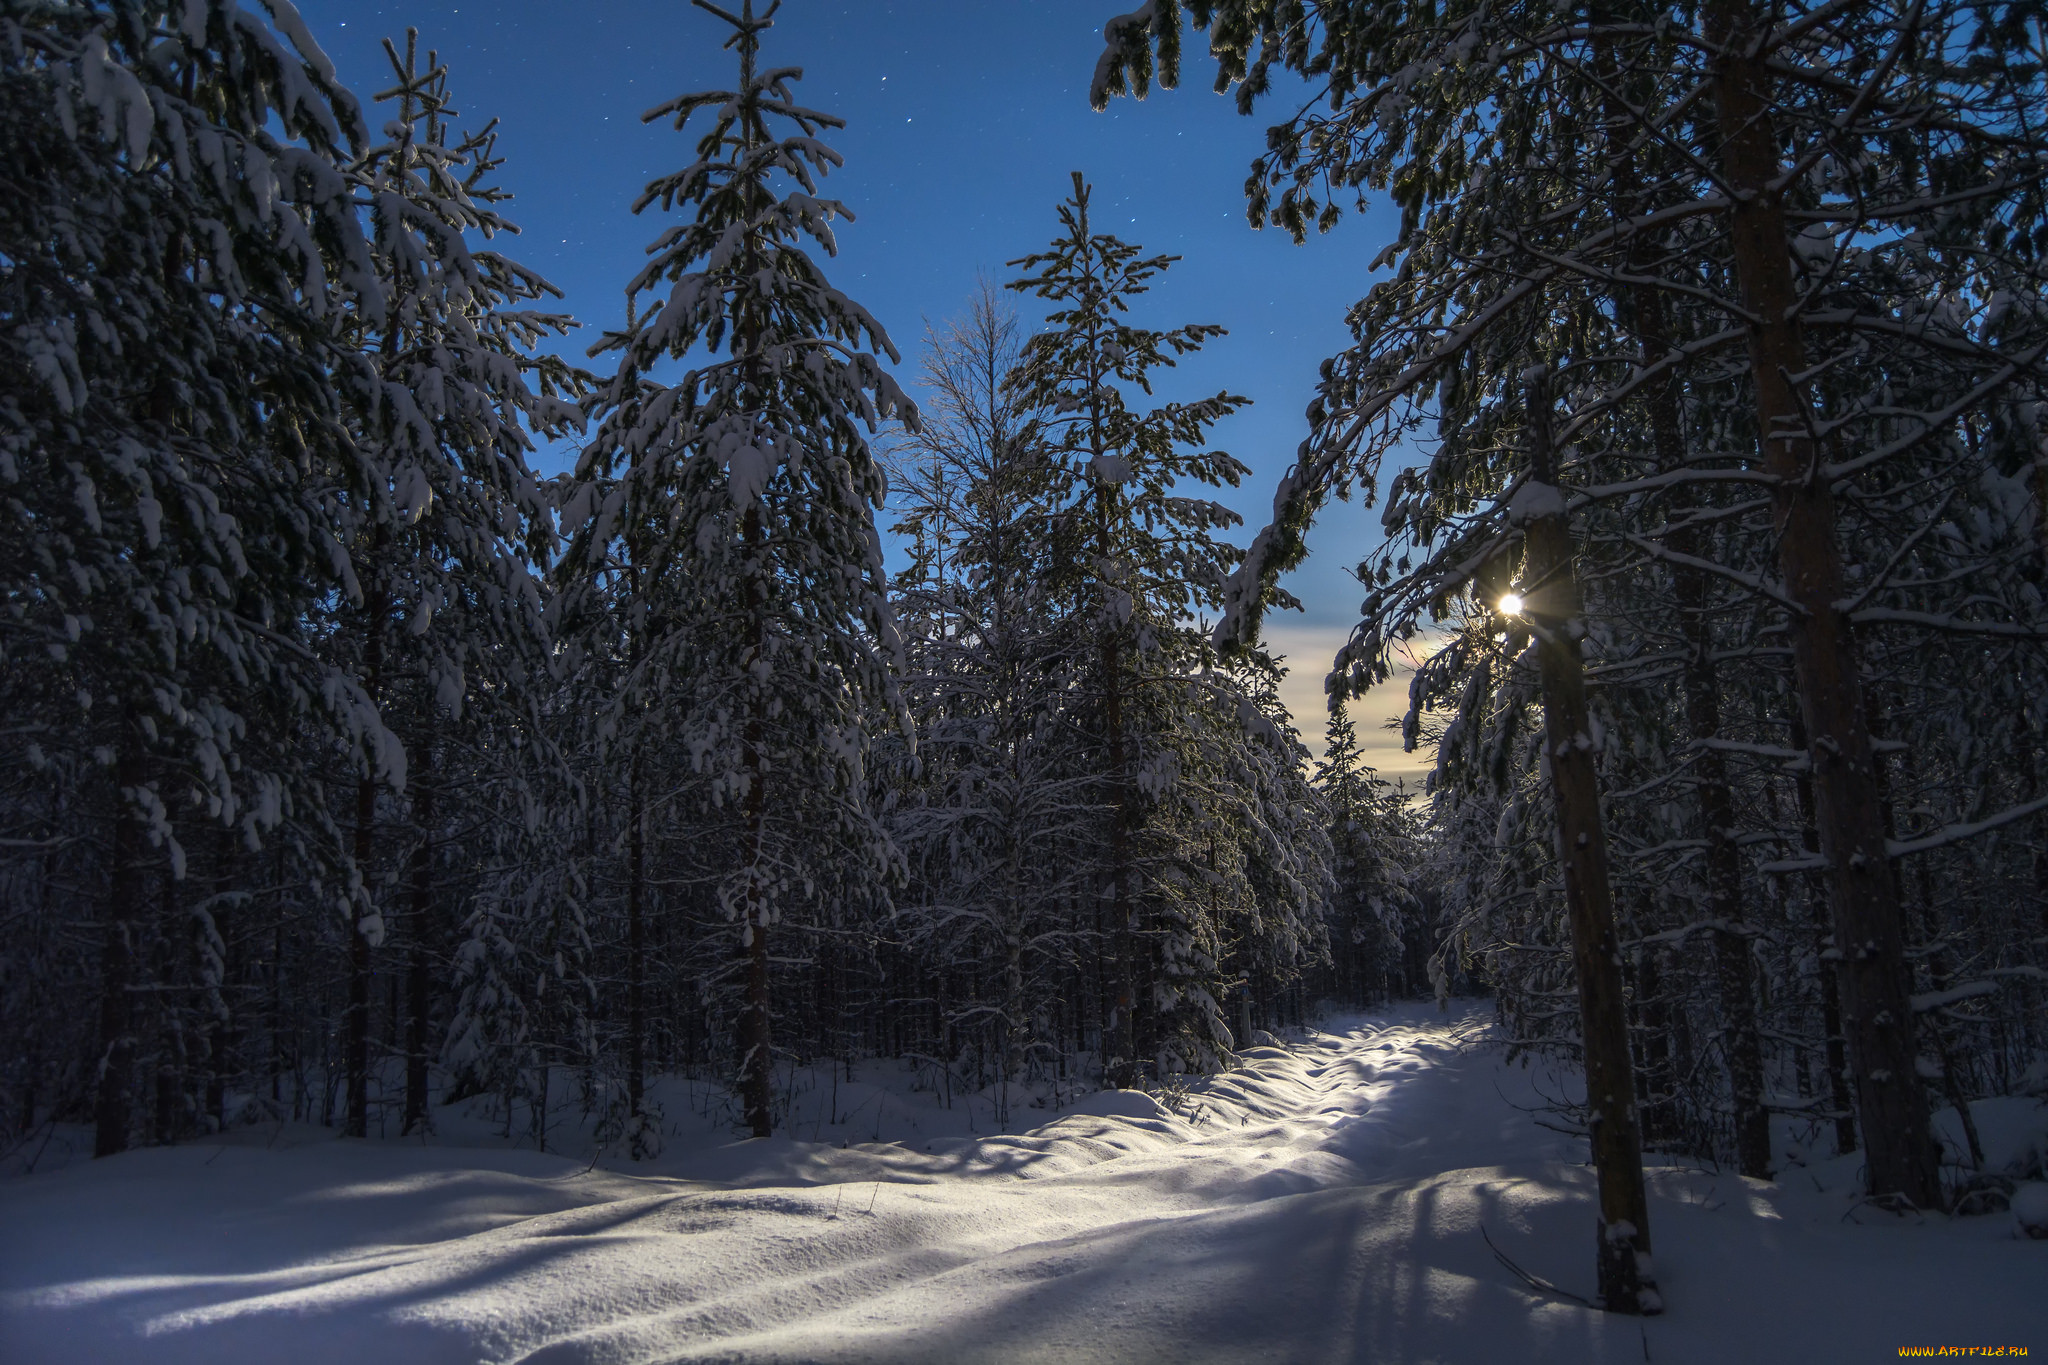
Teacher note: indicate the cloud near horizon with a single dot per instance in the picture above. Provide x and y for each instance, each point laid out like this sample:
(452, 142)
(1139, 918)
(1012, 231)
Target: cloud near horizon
(1307, 650)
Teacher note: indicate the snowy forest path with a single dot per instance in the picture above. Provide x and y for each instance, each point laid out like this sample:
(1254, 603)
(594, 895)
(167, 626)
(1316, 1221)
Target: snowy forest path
(1322, 1202)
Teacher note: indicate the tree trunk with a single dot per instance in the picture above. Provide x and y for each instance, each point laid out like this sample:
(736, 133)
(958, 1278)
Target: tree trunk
(756, 1035)
(636, 943)
(1551, 603)
(113, 1097)
(1902, 1158)
(223, 1032)
(419, 962)
(2029, 770)
(1123, 926)
(1013, 1019)
(1123, 1070)
(756, 1072)
(356, 1022)
(1934, 954)
(175, 950)
(1659, 1113)
(756, 1051)
(1835, 1048)
(1741, 1044)
(1122, 919)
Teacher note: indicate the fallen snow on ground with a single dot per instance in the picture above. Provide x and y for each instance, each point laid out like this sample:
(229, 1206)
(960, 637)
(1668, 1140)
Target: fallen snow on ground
(1329, 1201)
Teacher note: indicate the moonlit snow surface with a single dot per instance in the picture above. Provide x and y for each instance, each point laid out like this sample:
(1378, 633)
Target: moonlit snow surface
(1322, 1203)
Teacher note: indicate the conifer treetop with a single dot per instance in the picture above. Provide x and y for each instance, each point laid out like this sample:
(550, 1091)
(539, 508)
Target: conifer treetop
(1078, 370)
(729, 507)
(799, 378)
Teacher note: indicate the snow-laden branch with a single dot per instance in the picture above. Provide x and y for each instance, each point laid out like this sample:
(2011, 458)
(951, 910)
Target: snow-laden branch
(1683, 932)
(1993, 978)
(1955, 834)
(1753, 582)
(1945, 621)
(1812, 862)
(1934, 1000)
(1797, 758)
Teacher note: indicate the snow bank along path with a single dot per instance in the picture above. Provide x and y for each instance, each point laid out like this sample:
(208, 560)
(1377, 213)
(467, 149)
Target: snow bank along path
(1322, 1203)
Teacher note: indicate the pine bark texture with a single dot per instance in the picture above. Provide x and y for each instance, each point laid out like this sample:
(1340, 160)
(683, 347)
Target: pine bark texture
(1551, 598)
(1877, 1016)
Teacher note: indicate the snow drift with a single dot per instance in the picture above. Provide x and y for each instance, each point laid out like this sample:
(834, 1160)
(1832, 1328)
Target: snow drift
(1333, 1199)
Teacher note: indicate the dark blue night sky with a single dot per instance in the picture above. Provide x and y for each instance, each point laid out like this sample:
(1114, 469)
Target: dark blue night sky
(963, 122)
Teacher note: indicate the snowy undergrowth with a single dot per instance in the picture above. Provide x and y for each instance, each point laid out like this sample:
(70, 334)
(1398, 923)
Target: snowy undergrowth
(1331, 1200)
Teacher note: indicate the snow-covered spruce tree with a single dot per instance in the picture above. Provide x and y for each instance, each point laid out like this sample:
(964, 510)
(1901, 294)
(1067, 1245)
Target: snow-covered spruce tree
(747, 488)
(447, 617)
(176, 247)
(1137, 561)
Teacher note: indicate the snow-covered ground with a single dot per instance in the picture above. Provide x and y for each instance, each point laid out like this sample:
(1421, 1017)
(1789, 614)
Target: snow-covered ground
(1324, 1203)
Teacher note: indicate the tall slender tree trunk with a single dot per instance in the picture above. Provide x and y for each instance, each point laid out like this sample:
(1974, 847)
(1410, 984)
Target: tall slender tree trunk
(1123, 821)
(1123, 919)
(1659, 1114)
(636, 939)
(1014, 1031)
(1124, 1068)
(356, 1022)
(1932, 951)
(114, 1097)
(223, 1032)
(1953, 1088)
(756, 1033)
(175, 950)
(1551, 597)
(756, 1038)
(1734, 971)
(1901, 1155)
(1734, 974)
(1834, 1047)
(1741, 1042)
(2027, 763)
(419, 973)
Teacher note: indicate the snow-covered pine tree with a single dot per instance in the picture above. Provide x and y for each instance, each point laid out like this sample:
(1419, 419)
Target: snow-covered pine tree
(449, 610)
(747, 487)
(1137, 561)
(448, 634)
